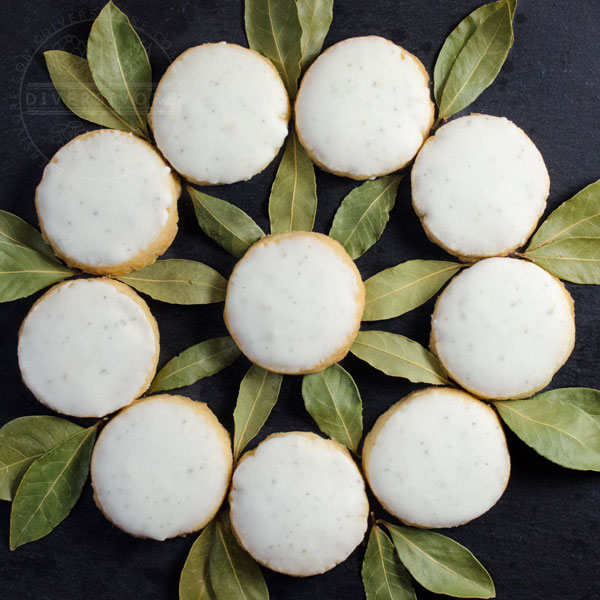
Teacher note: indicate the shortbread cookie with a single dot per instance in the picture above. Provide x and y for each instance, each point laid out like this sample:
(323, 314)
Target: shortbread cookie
(161, 467)
(294, 302)
(479, 186)
(220, 113)
(298, 503)
(503, 327)
(364, 108)
(437, 458)
(107, 203)
(88, 347)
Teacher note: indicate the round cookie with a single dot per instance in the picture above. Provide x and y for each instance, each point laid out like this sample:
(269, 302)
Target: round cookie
(438, 458)
(220, 113)
(298, 503)
(88, 347)
(364, 108)
(161, 467)
(294, 302)
(503, 327)
(107, 203)
(479, 186)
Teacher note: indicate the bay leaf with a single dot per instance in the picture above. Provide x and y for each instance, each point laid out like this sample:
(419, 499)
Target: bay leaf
(258, 395)
(225, 223)
(293, 199)
(24, 271)
(234, 574)
(333, 401)
(364, 213)
(478, 62)
(73, 81)
(562, 433)
(315, 18)
(273, 29)
(587, 399)
(50, 488)
(399, 356)
(178, 281)
(440, 564)
(14, 230)
(402, 288)
(194, 581)
(384, 577)
(120, 67)
(24, 440)
(202, 360)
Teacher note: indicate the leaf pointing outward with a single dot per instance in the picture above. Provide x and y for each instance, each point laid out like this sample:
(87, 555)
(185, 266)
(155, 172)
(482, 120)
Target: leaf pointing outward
(50, 488)
(364, 213)
(194, 582)
(273, 29)
(333, 401)
(315, 19)
(440, 564)
(120, 67)
(587, 399)
(13, 230)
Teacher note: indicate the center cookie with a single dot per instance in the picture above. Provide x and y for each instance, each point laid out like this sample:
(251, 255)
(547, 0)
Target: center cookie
(294, 302)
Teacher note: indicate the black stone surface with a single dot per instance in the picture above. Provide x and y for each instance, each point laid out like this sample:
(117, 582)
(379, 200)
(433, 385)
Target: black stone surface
(542, 539)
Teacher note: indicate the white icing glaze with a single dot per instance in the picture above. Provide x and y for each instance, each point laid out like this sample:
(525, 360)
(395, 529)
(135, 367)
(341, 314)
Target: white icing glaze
(87, 349)
(364, 108)
(480, 185)
(503, 327)
(161, 467)
(220, 113)
(105, 197)
(438, 458)
(298, 504)
(293, 302)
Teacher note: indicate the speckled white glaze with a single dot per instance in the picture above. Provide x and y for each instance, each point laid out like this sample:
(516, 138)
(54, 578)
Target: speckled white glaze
(220, 113)
(161, 467)
(86, 348)
(479, 186)
(437, 458)
(298, 503)
(503, 327)
(364, 108)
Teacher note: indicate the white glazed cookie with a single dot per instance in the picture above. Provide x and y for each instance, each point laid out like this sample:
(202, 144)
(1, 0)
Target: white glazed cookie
(220, 113)
(294, 302)
(161, 467)
(503, 327)
(364, 108)
(107, 203)
(479, 186)
(88, 347)
(437, 458)
(298, 503)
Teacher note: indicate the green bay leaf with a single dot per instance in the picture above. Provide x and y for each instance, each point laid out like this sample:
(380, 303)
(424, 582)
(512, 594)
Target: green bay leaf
(315, 19)
(587, 399)
(478, 62)
(234, 574)
(50, 488)
(402, 288)
(202, 360)
(384, 577)
(120, 67)
(333, 401)
(225, 223)
(364, 213)
(178, 281)
(273, 29)
(194, 581)
(258, 395)
(14, 230)
(293, 199)
(24, 271)
(398, 356)
(561, 432)
(440, 564)
(24, 440)
(73, 81)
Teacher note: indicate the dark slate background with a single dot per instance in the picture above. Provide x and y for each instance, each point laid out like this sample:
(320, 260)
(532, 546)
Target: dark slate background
(541, 539)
